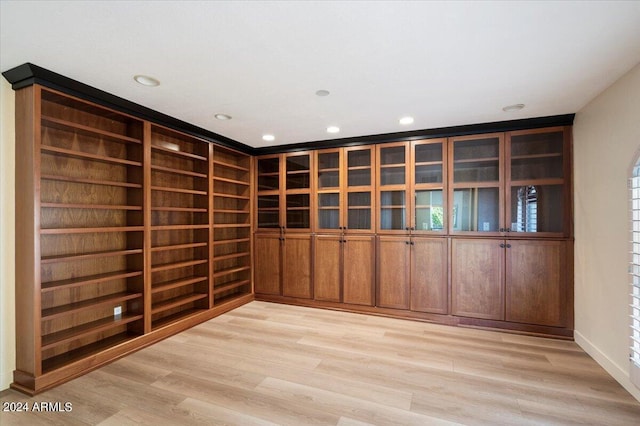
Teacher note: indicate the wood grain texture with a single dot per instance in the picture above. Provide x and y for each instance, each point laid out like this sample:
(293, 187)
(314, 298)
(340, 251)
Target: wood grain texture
(393, 290)
(296, 255)
(327, 268)
(265, 364)
(359, 269)
(429, 284)
(267, 264)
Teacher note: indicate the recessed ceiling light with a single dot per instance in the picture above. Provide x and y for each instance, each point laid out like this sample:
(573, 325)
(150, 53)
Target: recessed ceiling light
(268, 138)
(333, 129)
(145, 80)
(406, 120)
(222, 117)
(511, 108)
(322, 92)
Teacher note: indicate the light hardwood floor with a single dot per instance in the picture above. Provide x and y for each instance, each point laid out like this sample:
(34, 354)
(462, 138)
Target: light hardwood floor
(275, 364)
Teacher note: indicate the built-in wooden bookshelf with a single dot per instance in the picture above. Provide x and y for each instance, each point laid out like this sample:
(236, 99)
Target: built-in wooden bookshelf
(118, 243)
(232, 224)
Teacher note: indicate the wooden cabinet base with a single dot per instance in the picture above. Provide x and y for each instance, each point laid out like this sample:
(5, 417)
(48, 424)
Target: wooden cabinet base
(509, 327)
(27, 383)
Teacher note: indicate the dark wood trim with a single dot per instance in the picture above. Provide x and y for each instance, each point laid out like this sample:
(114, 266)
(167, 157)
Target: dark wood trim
(29, 74)
(440, 132)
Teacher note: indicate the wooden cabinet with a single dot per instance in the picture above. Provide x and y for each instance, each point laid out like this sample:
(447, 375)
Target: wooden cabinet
(412, 274)
(523, 281)
(344, 269)
(477, 278)
(127, 234)
(268, 264)
(536, 285)
(429, 275)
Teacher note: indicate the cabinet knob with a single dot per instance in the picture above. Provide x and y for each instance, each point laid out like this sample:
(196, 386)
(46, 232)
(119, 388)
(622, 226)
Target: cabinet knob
(412, 243)
(406, 242)
(508, 245)
(501, 229)
(508, 230)
(406, 228)
(502, 245)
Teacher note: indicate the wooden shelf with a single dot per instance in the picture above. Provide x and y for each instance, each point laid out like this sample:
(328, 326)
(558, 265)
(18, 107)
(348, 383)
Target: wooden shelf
(80, 154)
(66, 358)
(237, 197)
(177, 301)
(97, 229)
(182, 282)
(177, 227)
(179, 190)
(232, 225)
(170, 319)
(176, 265)
(178, 247)
(89, 206)
(230, 271)
(90, 181)
(229, 211)
(329, 170)
(58, 338)
(232, 241)
(231, 256)
(236, 182)
(90, 255)
(229, 165)
(179, 209)
(89, 279)
(533, 156)
(178, 171)
(269, 174)
(178, 153)
(72, 308)
(428, 163)
(230, 286)
(359, 168)
(477, 160)
(60, 124)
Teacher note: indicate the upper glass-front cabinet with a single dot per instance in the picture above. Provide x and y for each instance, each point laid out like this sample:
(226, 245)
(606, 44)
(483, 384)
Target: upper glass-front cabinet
(536, 181)
(329, 200)
(298, 191)
(268, 205)
(393, 183)
(429, 180)
(476, 182)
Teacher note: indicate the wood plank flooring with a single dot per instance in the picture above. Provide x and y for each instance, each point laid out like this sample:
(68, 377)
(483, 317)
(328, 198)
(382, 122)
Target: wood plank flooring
(264, 364)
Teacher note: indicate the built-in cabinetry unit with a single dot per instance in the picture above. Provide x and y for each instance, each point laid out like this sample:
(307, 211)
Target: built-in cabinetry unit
(127, 232)
(471, 230)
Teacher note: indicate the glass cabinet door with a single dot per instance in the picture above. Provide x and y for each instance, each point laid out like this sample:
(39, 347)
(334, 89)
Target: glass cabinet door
(298, 191)
(328, 190)
(268, 208)
(392, 186)
(429, 173)
(536, 181)
(359, 188)
(476, 182)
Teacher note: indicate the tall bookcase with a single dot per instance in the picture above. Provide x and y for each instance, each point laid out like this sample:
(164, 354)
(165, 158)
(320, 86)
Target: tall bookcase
(127, 232)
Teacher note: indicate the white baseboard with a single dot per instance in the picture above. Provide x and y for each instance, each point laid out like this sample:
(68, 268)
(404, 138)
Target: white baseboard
(5, 380)
(620, 374)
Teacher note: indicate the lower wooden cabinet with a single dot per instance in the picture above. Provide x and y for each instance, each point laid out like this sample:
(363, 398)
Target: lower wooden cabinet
(412, 274)
(477, 278)
(344, 269)
(536, 285)
(523, 281)
(283, 265)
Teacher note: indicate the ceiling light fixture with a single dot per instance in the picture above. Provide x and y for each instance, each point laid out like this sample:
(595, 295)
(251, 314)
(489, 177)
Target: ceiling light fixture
(145, 80)
(333, 129)
(512, 108)
(222, 117)
(322, 92)
(406, 120)
(268, 138)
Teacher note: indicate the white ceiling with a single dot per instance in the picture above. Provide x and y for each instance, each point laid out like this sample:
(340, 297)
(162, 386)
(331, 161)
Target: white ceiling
(444, 63)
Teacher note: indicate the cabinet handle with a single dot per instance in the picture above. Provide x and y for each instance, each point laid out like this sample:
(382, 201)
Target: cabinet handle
(406, 242)
(508, 245)
(344, 241)
(501, 229)
(502, 245)
(412, 243)
(406, 228)
(508, 229)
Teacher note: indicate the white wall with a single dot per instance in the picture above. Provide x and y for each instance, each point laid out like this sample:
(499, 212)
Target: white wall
(606, 143)
(7, 214)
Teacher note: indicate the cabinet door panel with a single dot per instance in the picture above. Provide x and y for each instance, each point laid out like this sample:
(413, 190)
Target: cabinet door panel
(477, 278)
(393, 272)
(359, 270)
(536, 282)
(429, 275)
(326, 268)
(267, 264)
(297, 266)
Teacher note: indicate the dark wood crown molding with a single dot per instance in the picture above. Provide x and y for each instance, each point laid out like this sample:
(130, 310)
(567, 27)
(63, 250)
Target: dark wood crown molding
(28, 74)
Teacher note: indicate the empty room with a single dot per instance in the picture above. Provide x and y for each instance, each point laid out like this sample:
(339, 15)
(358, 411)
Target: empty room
(319, 212)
